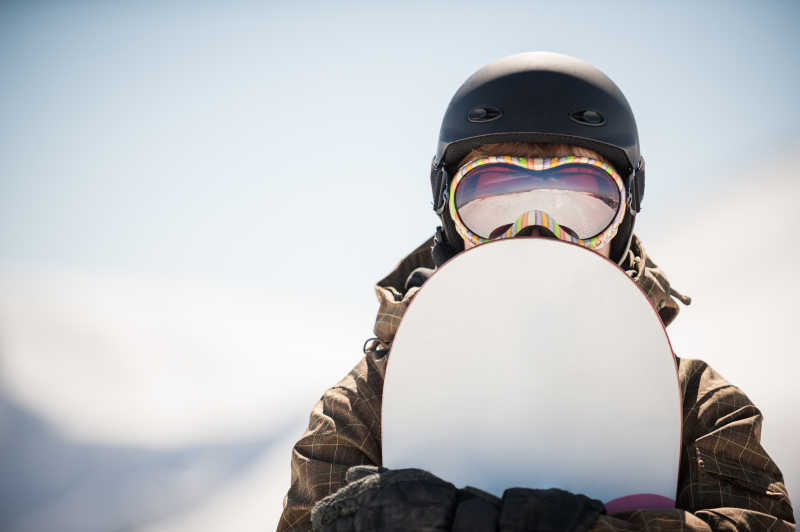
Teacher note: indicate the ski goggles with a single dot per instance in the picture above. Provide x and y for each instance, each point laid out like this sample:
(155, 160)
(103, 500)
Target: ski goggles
(578, 199)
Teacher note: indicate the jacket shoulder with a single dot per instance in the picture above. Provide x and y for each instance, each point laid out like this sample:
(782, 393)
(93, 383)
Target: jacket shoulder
(709, 399)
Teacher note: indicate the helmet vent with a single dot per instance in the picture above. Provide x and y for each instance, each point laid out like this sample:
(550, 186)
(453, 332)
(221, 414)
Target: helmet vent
(484, 114)
(588, 117)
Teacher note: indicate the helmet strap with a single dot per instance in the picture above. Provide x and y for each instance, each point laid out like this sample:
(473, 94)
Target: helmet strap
(446, 234)
(451, 235)
(440, 181)
(621, 243)
(441, 250)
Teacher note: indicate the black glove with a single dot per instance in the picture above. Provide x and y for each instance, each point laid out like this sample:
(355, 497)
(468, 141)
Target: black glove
(552, 510)
(379, 499)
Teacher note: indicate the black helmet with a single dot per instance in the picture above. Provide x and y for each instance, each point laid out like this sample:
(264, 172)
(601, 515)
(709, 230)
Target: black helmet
(540, 97)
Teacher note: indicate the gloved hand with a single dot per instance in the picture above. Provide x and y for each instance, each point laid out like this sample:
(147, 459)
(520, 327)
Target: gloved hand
(378, 499)
(551, 510)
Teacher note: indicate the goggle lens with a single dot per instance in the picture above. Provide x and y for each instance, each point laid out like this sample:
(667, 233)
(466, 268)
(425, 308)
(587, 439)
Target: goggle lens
(583, 198)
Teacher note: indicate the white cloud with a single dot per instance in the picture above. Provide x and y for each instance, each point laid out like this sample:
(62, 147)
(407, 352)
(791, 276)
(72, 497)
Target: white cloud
(158, 363)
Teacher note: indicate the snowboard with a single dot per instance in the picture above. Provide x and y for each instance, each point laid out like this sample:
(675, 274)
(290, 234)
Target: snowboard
(532, 362)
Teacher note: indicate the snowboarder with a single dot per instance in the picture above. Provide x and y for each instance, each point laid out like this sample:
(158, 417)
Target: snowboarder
(509, 114)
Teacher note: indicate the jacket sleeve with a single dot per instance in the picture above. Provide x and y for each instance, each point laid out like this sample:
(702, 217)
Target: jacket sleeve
(726, 480)
(343, 431)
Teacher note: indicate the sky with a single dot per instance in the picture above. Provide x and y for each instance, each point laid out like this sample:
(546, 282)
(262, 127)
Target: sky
(195, 200)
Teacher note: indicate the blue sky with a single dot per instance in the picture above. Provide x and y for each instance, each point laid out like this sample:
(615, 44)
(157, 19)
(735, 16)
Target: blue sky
(201, 140)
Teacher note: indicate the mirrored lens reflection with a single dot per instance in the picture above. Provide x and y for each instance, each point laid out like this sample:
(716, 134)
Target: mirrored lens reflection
(580, 196)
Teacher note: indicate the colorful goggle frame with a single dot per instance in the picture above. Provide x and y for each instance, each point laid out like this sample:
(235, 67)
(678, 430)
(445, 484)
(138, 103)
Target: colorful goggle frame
(536, 217)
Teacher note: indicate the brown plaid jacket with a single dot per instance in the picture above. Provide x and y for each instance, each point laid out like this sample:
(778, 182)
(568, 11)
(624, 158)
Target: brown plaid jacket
(726, 480)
